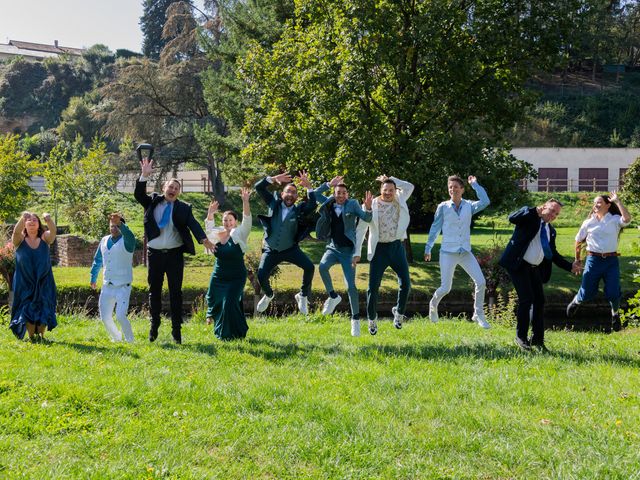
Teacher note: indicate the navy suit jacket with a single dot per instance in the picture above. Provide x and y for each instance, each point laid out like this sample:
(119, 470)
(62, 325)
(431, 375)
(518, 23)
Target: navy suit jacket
(182, 218)
(304, 210)
(527, 224)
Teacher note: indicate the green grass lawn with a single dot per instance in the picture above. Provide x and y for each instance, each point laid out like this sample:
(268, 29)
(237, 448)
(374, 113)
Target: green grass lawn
(302, 399)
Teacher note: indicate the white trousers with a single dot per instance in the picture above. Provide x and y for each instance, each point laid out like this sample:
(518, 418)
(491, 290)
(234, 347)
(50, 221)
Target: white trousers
(448, 264)
(117, 297)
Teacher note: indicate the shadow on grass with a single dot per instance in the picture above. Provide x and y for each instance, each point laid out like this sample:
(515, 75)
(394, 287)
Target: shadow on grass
(271, 350)
(91, 349)
(206, 348)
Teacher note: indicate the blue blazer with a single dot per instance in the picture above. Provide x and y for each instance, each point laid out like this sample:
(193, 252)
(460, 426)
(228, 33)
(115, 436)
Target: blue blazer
(303, 210)
(352, 213)
(527, 224)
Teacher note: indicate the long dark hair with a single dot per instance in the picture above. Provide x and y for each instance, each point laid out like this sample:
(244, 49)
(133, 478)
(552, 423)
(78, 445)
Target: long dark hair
(40, 228)
(613, 208)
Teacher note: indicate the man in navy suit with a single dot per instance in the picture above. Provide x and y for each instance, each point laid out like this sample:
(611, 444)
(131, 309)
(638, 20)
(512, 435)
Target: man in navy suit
(527, 258)
(168, 224)
(285, 226)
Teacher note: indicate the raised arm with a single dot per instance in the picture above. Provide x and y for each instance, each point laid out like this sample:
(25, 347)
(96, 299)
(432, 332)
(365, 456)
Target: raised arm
(140, 192)
(244, 229)
(483, 199)
(50, 235)
(520, 216)
(406, 188)
(626, 216)
(18, 236)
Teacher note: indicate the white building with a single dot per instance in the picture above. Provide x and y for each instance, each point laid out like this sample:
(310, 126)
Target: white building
(577, 169)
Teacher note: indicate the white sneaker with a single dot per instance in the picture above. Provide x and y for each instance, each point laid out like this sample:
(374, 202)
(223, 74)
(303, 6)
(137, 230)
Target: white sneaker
(303, 303)
(373, 327)
(264, 303)
(480, 320)
(355, 328)
(433, 312)
(398, 318)
(330, 305)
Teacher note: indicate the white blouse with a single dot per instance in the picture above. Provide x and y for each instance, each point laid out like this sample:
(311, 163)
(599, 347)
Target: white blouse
(601, 235)
(240, 234)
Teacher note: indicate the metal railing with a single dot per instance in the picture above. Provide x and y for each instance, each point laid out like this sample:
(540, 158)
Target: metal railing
(571, 185)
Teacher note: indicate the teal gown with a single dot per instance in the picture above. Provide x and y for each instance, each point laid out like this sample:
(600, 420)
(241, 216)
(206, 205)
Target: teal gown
(226, 288)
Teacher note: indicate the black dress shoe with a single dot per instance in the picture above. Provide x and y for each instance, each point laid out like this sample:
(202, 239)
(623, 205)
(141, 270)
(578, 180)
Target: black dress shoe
(153, 334)
(522, 344)
(615, 322)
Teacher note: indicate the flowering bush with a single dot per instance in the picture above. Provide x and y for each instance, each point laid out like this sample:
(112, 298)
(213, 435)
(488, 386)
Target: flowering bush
(7, 263)
(494, 274)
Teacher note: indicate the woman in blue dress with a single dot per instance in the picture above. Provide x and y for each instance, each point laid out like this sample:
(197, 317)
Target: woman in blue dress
(226, 288)
(34, 290)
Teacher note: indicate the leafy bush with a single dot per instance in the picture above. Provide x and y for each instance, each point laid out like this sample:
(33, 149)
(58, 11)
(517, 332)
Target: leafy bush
(7, 264)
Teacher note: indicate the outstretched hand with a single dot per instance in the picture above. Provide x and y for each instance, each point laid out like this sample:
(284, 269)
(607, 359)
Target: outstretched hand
(613, 197)
(281, 178)
(337, 180)
(213, 208)
(303, 177)
(382, 178)
(147, 167)
(368, 200)
(245, 193)
(576, 267)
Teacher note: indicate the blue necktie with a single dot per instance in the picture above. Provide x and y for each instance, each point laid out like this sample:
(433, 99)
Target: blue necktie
(544, 240)
(166, 215)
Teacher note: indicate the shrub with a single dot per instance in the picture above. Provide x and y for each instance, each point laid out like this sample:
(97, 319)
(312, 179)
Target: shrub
(7, 264)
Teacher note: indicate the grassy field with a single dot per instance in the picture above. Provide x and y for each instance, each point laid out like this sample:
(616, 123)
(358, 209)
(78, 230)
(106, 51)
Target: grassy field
(300, 398)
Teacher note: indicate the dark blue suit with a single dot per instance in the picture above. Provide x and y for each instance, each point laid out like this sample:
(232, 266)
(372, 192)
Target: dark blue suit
(528, 279)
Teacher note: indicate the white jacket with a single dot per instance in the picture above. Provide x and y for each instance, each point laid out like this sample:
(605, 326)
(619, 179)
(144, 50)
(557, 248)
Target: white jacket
(403, 192)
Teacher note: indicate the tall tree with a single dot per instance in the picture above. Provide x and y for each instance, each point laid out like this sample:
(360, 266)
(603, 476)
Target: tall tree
(237, 27)
(152, 22)
(414, 89)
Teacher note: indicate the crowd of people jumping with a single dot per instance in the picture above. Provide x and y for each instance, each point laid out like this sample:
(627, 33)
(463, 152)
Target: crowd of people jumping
(343, 223)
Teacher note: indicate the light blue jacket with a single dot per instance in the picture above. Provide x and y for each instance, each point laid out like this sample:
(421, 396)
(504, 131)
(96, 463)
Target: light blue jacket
(455, 224)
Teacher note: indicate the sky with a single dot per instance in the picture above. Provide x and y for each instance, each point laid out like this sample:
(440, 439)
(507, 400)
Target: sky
(74, 23)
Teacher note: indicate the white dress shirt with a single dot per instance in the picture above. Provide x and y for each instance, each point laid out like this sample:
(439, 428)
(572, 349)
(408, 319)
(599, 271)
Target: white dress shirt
(534, 254)
(601, 235)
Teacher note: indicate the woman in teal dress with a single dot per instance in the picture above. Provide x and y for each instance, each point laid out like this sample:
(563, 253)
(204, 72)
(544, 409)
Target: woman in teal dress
(34, 290)
(226, 287)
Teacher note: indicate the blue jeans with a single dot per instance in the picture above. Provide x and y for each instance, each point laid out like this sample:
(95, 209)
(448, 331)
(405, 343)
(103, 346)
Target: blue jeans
(343, 256)
(596, 269)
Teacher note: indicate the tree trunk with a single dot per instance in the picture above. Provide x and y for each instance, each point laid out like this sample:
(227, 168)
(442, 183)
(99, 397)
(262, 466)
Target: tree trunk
(215, 178)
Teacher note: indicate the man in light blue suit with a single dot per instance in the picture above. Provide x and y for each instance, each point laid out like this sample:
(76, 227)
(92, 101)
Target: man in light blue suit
(339, 217)
(453, 219)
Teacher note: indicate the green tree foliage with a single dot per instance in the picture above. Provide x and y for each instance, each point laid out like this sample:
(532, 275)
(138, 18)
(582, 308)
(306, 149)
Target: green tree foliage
(162, 102)
(80, 118)
(414, 89)
(152, 23)
(16, 169)
(83, 182)
(631, 187)
(237, 26)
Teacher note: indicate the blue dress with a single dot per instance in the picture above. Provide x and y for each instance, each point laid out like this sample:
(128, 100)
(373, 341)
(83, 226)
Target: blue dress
(34, 290)
(226, 288)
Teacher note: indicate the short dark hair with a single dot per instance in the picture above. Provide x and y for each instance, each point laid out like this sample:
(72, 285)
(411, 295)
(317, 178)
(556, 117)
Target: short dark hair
(341, 185)
(232, 213)
(290, 184)
(388, 180)
(456, 178)
(553, 200)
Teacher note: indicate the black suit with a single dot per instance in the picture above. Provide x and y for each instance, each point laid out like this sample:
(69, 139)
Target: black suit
(528, 279)
(168, 261)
